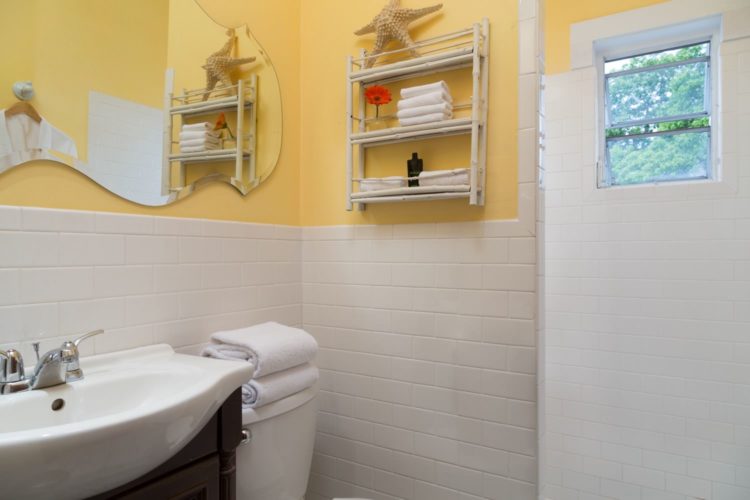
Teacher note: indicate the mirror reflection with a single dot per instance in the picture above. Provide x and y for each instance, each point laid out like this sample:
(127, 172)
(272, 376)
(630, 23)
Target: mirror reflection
(149, 98)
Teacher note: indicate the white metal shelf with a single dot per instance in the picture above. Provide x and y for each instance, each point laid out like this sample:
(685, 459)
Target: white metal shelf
(402, 198)
(414, 132)
(415, 67)
(459, 188)
(201, 108)
(206, 156)
(468, 48)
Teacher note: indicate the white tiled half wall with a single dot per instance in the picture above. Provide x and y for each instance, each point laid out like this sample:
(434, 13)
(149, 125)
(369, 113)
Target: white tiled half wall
(647, 325)
(427, 361)
(143, 279)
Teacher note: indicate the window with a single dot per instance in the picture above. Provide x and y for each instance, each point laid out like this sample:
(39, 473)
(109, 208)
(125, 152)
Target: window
(657, 116)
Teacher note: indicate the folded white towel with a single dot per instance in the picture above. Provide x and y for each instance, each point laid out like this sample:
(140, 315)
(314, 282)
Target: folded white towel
(438, 97)
(197, 134)
(262, 391)
(198, 149)
(455, 177)
(270, 347)
(199, 142)
(430, 109)
(201, 126)
(375, 184)
(440, 86)
(419, 120)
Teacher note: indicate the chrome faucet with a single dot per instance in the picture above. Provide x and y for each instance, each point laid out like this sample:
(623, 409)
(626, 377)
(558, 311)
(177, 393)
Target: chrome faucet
(12, 375)
(55, 367)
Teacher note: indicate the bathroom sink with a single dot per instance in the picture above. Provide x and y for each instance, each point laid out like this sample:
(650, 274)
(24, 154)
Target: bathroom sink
(133, 411)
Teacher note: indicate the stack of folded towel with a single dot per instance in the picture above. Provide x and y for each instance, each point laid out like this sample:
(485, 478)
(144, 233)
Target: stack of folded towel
(280, 355)
(198, 137)
(425, 104)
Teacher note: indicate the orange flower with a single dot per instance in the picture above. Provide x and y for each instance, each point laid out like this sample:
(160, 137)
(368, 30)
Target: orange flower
(377, 95)
(221, 122)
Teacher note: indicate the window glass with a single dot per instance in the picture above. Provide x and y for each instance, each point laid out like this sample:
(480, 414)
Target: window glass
(658, 116)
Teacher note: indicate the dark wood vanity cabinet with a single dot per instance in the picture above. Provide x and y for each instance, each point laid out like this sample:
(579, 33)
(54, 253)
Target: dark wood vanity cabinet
(203, 470)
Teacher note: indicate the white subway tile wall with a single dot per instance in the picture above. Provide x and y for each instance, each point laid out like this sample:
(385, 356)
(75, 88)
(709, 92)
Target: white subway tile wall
(647, 331)
(427, 361)
(143, 279)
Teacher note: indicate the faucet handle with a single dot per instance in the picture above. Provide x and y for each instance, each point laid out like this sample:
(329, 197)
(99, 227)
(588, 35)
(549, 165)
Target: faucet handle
(69, 352)
(11, 366)
(35, 345)
(83, 337)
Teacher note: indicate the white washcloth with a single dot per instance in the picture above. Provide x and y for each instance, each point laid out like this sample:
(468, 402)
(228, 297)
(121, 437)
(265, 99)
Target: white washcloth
(262, 391)
(455, 177)
(444, 108)
(199, 142)
(419, 120)
(197, 127)
(270, 347)
(197, 134)
(438, 97)
(440, 86)
(198, 149)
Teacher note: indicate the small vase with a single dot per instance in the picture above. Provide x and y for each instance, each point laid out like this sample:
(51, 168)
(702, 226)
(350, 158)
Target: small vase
(377, 124)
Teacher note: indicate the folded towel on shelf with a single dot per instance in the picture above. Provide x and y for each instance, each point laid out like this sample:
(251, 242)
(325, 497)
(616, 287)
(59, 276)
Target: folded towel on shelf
(438, 97)
(199, 149)
(270, 347)
(199, 142)
(375, 184)
(445, 108)
(197, 134)
(419, 120)
(264, 390)
(197, 127)
(455, 177)
(440, 86)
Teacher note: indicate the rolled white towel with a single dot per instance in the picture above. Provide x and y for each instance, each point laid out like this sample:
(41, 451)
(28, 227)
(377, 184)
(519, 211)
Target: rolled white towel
(270, 347)
(438, 97)
(262, 391)
(197, 127)
(199, 142)
(440, 86)
(444, 108)
(419, 120)
(455, 177)
(197, 134)
(198, 149)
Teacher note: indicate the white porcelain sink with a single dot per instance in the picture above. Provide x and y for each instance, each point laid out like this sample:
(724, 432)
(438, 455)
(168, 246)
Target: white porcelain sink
(133, 411)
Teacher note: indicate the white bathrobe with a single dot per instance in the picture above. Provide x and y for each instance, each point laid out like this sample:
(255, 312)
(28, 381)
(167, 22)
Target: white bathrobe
(22, 139)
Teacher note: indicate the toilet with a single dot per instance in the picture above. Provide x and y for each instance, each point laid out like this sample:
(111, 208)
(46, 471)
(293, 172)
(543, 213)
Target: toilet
(273, 462)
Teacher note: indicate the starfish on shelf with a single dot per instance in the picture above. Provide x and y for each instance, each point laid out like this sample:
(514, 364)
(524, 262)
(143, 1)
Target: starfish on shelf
(392, 23)
(219, 65)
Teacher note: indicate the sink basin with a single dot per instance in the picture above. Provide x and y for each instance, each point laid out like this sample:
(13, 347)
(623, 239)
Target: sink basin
(133, 411)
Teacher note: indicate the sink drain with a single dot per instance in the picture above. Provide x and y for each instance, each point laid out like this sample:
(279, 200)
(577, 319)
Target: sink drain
(58, 404)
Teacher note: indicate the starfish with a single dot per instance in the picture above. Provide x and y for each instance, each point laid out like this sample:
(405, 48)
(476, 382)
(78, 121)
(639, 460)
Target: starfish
(219, 64)
(392, 23)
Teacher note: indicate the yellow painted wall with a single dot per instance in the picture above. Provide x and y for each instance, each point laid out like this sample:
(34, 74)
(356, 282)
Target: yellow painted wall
(560, 14)
(142, 31)
(307, 41)
(327, 38)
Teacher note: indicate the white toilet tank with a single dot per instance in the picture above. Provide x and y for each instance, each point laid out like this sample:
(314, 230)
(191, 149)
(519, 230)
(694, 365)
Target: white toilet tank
(275, 463)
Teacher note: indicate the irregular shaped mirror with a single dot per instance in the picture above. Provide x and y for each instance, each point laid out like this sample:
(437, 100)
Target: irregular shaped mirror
(149, 98)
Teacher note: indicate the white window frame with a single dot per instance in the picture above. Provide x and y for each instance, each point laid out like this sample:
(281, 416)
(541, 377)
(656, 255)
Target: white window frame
(671, 37)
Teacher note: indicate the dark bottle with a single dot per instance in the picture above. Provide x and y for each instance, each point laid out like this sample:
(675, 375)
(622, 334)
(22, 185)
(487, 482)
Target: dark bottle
(413, 168)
